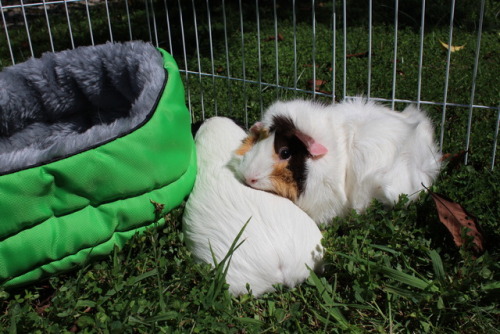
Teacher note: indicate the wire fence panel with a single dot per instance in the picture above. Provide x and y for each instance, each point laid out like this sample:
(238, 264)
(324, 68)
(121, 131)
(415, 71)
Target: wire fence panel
(239, 56)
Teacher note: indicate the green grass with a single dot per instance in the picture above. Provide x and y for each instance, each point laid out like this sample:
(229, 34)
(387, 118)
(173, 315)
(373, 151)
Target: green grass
(387, 271)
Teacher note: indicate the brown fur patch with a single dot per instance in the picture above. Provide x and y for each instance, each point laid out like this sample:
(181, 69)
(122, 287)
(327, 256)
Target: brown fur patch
(283, 181)
(251, 140)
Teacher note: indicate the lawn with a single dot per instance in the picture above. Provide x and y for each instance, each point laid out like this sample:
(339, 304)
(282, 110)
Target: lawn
(387, 270)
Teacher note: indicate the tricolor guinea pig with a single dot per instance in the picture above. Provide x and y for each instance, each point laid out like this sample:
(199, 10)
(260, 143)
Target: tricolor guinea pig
(329, 159)
(280, 240)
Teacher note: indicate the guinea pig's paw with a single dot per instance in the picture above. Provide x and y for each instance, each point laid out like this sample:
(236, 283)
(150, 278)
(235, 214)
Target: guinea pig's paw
(317, 255)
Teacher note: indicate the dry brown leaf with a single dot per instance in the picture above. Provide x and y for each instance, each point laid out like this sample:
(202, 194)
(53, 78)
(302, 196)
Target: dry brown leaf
(357, 55)
(453, 160)
(42, 305)
(319, 83)
(272, 38)
(41, 309)
(451, 48)
(455, 217)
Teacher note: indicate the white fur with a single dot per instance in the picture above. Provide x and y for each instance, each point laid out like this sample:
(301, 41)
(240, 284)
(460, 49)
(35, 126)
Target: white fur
(257, 174)
(280, 239)
(373, 152)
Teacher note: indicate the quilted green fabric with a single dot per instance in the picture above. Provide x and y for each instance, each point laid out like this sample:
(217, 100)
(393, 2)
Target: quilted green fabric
(55, 216)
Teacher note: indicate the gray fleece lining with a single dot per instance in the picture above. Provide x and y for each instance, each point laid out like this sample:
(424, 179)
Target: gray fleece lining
(68, 101)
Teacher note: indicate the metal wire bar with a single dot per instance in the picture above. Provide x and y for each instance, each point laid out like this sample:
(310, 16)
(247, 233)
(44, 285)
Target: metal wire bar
(49, 30)
(212, 63)
(198, 59)
(344, 24)
(128, 20)
(155, 31)
(395, 55)
(109, 21)
(27, 29)
(370, 25)
(243, 69)
(447, 75)
(276, 48)
(148, 19)
(294, 22)
(474, 76)
(334, 50)
(185, 58)
(90, 23)
(69, 25)
(228, 69)
(314, 47)
(259, 58)
(421, 54)
(7, 33)
(167, 17)
(495, 140)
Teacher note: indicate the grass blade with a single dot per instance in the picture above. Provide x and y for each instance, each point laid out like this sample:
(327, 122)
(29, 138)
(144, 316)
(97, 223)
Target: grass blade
(395, 274)
(222, 267)
(437, 265)
(324, 290)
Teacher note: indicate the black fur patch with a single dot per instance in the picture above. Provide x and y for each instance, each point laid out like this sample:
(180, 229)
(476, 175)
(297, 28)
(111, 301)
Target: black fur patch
(284, 130)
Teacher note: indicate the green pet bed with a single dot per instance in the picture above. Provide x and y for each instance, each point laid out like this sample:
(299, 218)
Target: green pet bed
(89, 139)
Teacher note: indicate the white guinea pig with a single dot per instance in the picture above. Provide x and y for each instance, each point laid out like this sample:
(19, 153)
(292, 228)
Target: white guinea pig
(280, 240)
(330, 159)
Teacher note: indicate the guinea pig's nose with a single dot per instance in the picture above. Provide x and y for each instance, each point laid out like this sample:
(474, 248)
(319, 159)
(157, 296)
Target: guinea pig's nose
(251, 181)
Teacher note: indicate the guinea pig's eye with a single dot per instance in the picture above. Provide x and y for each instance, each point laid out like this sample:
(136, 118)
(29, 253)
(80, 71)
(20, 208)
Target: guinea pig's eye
(284, 153)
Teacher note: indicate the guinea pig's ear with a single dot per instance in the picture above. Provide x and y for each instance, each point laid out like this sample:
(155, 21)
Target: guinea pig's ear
(255, 129)
(314, 148)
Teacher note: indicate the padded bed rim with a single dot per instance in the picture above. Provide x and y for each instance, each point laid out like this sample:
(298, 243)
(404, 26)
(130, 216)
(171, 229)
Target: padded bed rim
(149, 114)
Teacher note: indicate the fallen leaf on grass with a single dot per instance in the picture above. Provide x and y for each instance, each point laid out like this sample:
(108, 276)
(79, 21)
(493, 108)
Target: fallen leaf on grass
(357, 55)
(455, 217)
(319, 83)
(453, 160)
(42, 305)
(451, 48)
(272, 38)
(40, 310)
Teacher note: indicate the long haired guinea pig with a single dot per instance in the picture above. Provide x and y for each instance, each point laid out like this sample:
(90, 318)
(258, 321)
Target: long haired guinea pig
(280, 240)
(330, 159)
